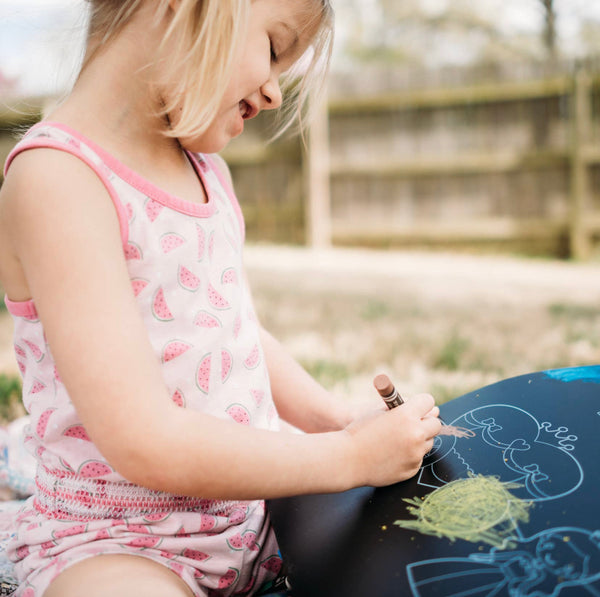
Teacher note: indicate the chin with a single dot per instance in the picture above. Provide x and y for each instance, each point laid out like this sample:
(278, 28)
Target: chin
(205, 145)
(213, 142)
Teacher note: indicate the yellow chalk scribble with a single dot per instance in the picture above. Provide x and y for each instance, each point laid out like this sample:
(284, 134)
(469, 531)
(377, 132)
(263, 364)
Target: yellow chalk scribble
(479, 508)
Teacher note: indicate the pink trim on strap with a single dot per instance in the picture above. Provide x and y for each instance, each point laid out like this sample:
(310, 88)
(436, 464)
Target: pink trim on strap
(25, 309)
(145, 186)
(48, 143)
(230, 193)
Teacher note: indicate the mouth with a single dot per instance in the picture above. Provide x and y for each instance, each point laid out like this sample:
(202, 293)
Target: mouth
(247, 110)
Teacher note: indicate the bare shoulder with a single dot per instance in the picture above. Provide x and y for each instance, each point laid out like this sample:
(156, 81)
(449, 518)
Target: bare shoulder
(46, 191)
(45, 182)
(36, 167)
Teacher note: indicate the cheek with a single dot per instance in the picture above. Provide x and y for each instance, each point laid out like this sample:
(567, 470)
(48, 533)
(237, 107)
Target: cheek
(255, 66)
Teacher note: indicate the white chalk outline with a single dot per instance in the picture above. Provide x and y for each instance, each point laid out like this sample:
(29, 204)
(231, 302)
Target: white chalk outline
(486, 426)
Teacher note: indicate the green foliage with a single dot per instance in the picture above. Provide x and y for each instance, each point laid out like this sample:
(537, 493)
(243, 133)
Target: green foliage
(327, 373)
(375, 309)
(392, 32)
(579, 322)
(450, 355)
(10, 396)
(573, 311)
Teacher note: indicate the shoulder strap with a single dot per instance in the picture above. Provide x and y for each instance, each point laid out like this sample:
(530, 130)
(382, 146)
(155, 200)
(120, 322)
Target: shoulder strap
(218, 166)
(54, 136)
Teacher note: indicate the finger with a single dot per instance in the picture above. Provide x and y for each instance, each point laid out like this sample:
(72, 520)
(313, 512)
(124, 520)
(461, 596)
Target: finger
(421, 404)
(428, 446)
(434, 412)
(431, 427)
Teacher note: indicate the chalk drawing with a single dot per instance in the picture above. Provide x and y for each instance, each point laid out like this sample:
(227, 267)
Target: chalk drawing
(514, 446)
(477, 509)
(585, 374)
(551, 562)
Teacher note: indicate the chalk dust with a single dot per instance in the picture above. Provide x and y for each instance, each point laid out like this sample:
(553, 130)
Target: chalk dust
(456, 431)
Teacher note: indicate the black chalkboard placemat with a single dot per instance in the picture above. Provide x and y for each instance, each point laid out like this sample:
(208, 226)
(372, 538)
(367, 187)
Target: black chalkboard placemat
(539, 434)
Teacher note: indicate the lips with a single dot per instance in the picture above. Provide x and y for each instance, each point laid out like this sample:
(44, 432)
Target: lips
(247, 110)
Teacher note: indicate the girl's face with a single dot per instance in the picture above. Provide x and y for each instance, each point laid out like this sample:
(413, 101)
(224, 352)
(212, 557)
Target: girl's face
(277, 36)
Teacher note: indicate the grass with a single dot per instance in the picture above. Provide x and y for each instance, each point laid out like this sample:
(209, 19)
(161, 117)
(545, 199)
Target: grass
(327, 372)
(10, 397)
(344, 328)
(574, 312)
(345, 332)
(375, 309)
(451, 353)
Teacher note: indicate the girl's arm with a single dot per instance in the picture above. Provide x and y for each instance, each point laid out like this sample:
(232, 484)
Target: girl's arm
(300, 399)
(304, 403)
(65, 234)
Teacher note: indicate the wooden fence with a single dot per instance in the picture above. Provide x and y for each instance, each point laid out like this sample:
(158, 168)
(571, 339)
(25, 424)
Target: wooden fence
(509, 163)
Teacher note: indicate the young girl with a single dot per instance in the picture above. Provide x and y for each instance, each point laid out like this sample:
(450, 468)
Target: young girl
(153, 391)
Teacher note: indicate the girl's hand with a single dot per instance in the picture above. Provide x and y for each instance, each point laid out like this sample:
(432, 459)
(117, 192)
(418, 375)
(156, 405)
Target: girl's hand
(387, 446)
(353, 412)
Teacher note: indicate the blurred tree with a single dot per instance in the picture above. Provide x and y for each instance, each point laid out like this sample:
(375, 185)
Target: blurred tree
(549, 34)
(590, 37)
(423, 32)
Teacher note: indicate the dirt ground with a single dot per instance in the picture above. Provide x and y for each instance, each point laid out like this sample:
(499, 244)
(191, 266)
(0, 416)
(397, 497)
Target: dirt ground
(439, 322)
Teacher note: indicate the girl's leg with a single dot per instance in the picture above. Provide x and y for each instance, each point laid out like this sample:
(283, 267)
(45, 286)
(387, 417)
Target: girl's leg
(118, 576)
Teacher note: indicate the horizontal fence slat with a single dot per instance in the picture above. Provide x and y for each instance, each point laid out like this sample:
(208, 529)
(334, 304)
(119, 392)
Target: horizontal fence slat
(459, 164)
(458, 230)
(445, 97)
(499, 160)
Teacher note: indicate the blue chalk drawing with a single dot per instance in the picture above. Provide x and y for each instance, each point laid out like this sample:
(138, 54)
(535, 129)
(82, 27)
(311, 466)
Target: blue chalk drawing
(586, 374)
(514, 446)
(543, 565)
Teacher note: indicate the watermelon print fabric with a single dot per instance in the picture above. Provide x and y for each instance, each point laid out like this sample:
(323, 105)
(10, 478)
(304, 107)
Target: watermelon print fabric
(185, 265)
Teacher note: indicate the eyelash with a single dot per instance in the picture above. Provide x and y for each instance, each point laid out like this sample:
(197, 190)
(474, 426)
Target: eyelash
(273, 53)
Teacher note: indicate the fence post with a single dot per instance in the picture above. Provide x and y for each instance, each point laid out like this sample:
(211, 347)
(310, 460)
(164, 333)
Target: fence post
(317, 165)
(579, 235)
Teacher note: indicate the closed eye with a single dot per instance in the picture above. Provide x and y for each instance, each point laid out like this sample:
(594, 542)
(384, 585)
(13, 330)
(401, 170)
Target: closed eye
(273, 52)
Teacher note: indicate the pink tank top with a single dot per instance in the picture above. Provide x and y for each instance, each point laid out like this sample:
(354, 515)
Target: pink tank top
(185, 264)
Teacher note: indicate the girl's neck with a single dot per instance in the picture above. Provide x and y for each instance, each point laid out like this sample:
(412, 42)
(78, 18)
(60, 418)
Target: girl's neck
(114, 103)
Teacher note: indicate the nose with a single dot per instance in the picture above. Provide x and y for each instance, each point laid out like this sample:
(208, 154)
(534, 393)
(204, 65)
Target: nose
(271, 92)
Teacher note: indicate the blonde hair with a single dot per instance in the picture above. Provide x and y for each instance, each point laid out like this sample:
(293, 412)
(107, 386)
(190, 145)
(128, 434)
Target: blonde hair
(306, 79)
(197, 52)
